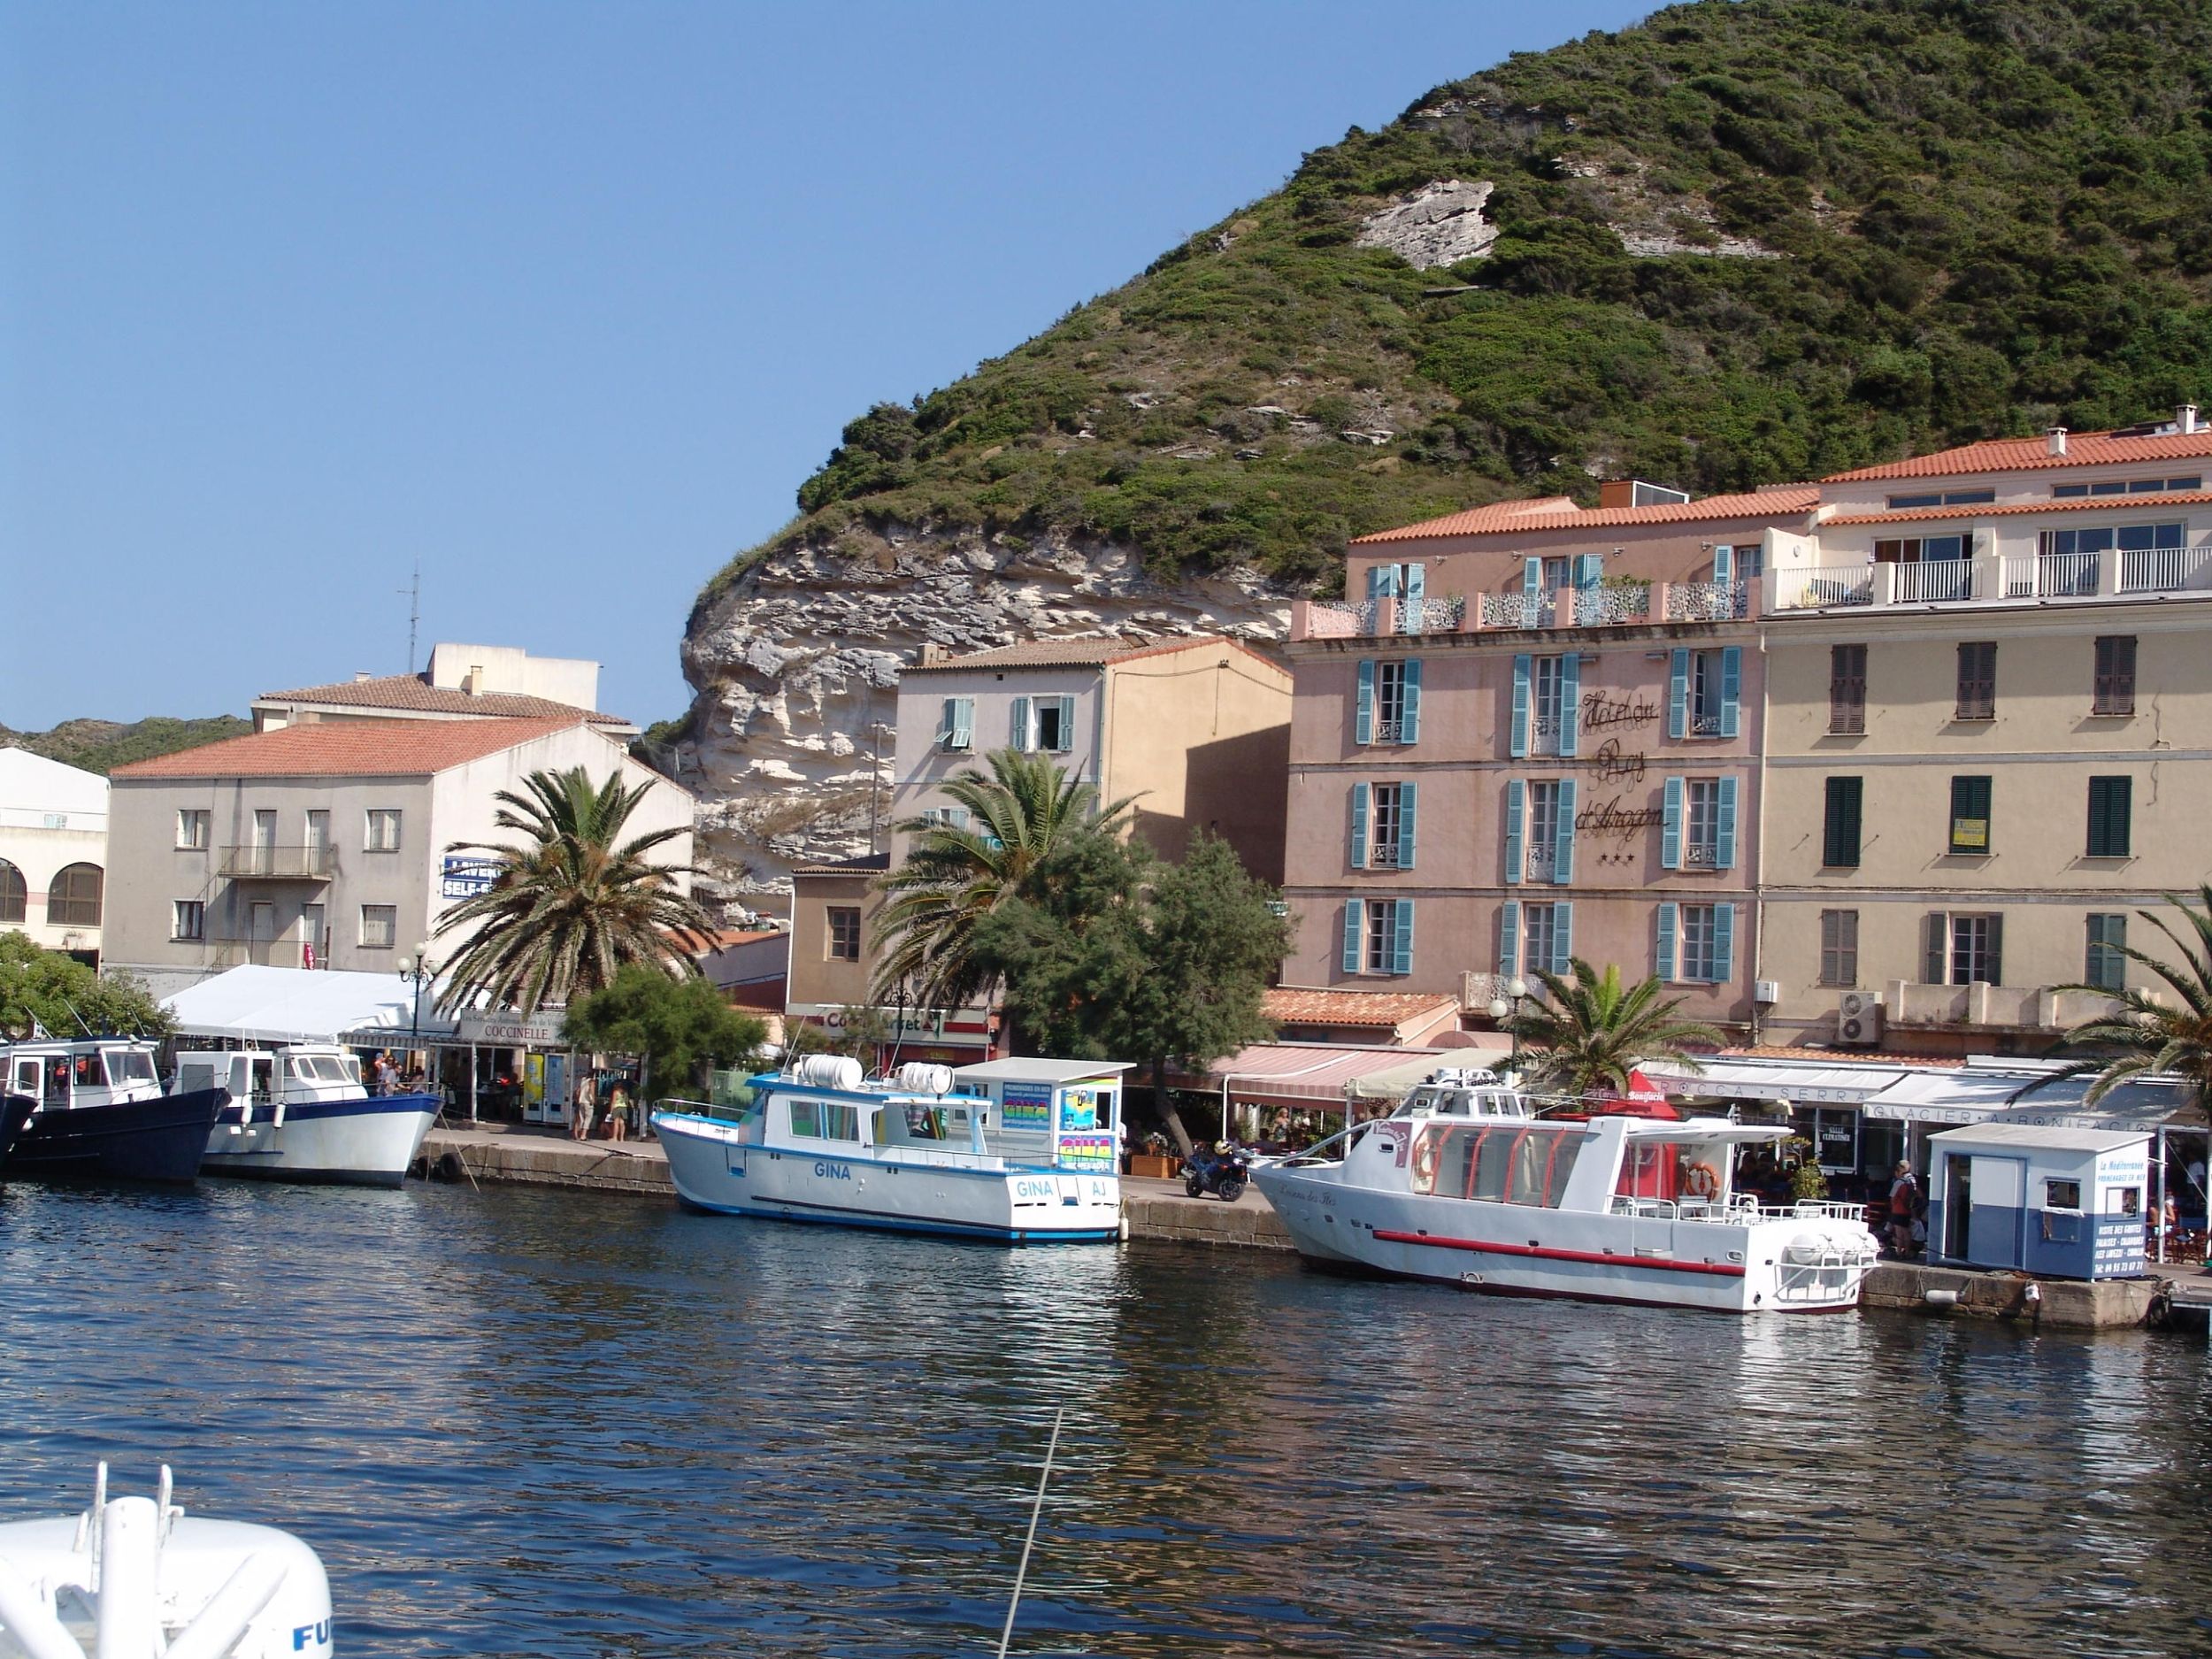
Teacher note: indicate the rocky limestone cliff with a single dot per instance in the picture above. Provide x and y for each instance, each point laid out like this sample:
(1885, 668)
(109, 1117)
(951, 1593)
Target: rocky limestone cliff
(796, 662)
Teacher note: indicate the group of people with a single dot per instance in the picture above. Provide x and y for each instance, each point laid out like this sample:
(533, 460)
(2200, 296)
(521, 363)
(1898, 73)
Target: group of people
(386, 1077)
(611, 1108)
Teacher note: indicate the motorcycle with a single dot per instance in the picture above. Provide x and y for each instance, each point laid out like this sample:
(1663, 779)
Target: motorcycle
(1223, 1174)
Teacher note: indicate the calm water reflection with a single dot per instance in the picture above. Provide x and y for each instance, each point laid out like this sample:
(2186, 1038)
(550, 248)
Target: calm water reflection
(531, 1423)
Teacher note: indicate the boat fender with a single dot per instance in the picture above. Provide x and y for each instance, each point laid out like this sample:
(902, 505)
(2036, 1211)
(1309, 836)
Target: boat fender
(1806, 1248)
(448, 1167)
(827, 1070)
(924, 1078)
(1701, 1181)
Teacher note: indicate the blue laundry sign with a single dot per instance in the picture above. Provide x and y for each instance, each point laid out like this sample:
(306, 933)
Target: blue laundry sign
(464, 878)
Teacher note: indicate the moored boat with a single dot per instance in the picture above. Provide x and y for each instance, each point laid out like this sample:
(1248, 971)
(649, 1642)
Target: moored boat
(1466, 1184)
(819, 1143)
(301, 1113)
(15, 1112)
(100, 1114)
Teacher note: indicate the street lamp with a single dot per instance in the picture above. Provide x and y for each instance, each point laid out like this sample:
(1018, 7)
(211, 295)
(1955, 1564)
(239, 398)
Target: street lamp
(415, 971)
(1516, 989)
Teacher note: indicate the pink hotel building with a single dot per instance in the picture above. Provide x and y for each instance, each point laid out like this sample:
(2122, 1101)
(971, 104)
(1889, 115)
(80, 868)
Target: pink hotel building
(1535, 736)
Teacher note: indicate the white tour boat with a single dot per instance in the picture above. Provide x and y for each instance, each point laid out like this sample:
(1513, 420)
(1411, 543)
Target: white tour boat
(301, 1114)
(1464, 1184)
(818, 1143)
(135, 1578)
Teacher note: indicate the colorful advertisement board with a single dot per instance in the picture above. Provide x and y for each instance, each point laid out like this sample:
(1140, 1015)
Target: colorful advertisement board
(1086, 1152)
(1025, 1106)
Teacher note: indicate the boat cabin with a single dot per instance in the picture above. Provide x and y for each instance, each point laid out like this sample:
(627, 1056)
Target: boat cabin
(1060, 1114)
(1462, 1093)
(97, 1071)
(259, 1077)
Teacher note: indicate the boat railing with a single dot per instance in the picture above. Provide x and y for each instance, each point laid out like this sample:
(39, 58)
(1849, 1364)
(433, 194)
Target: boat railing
(1313, 1154)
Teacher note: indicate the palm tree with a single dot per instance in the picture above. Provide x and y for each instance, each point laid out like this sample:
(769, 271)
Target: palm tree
(1590, 1033)
(574, 903)
(956, 874)
(2148, 1036)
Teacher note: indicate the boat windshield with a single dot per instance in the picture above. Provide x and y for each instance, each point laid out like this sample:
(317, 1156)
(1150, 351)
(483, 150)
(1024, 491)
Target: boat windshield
(1510, 1164)
(129, 1065)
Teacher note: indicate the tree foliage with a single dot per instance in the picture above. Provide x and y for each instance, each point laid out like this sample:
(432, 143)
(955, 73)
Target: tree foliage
(1589, 1032)
(64, 996)
(574, 903)
(2139, 1037)
(682, 1027)
(101, 746)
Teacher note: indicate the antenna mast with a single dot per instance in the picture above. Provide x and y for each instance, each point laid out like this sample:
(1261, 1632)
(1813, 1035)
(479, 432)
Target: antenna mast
(413, 590)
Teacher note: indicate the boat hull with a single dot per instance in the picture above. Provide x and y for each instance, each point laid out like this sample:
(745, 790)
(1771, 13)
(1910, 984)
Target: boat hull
(1520, 1250)
(365, 1142)
(15, 1111)
(716, 1171)
(156, 1139)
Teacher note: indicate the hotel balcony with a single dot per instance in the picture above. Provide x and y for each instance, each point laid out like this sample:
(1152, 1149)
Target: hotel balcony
(2115, 574)
(1989, 1006)
(276, 863)
(1610, 605)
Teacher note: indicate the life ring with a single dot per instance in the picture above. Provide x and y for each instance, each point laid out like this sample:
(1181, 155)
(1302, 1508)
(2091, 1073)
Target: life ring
(1701, 1181)
(1424, 1163)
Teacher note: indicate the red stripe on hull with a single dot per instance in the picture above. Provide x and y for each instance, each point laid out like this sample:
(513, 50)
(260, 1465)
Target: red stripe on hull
(1719, 1270)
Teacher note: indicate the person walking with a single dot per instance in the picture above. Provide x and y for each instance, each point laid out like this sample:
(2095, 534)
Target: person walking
(587, 1104)
(1904, 1209)
(617, 1111)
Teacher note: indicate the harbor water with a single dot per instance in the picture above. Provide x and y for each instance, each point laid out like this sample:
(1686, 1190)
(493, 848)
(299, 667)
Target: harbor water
(537, 1422)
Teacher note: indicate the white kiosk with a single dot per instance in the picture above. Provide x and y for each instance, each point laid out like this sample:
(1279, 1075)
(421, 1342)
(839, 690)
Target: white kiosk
(2059, 1203)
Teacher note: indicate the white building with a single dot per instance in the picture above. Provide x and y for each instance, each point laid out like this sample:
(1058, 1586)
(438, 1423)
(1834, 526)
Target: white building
(53, 851)
(464, 682)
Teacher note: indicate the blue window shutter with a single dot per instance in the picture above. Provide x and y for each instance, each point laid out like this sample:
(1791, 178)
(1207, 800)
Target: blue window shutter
(1508, 938)
(1531, 576)
(1518, 745)
(1410, 723)
(1670, 830)
(1724, 564)
(1562, 938)
(1589, 570)
(1516, 798)
(1725, 836)
(1409, 808)
(1020, 723)
(1571, 705)
(1679, 693)
(1378, 581)
(1364, 716)
(1663, 963)
(1731, 689)
(964, 723)
(1402, 945)
(1360, 791)
(1723, 943)
(1354, 918)
(1563, 856)
(944, 724)
(1416, 582)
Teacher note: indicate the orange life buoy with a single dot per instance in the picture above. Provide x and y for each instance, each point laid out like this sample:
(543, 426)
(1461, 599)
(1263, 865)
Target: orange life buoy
(1424, 1163)
(1701, 1181)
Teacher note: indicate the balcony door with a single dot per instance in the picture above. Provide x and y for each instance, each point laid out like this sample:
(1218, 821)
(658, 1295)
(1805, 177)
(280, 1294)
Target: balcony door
(311, 941)
(317, 842)
(265, 832)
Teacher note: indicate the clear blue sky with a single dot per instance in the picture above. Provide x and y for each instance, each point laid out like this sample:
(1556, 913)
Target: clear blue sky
(562, 300)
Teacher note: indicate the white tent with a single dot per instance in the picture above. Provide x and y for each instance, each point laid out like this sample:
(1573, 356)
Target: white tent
(255, 1004)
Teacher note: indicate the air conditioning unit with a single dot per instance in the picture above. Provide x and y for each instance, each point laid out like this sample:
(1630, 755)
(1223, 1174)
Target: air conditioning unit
(1768, 992)
(1858, 1019)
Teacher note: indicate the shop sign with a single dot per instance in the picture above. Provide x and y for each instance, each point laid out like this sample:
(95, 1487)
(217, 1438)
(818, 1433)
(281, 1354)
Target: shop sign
(461, 877)
(513, 1031)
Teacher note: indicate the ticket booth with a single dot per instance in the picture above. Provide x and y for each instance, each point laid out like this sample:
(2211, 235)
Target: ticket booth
(2059, 1203)
(1065, 1113)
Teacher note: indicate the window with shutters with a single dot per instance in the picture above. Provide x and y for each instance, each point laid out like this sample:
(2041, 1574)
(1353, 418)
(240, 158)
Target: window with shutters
(1388, 943)
(1386, 826)
(2115, 686)
(1390, 703)
(188, 918)
(379, 927)
(1705, 694)
(380, 832)
(192, 827)
(956, 728)
(1700, 829)
(1978, 679)
(1970, 815)
(1839, 948)
(2111, 806)
(1840, 839)
(2108, 967)
(1846, 690)
(14, 893)
(1548, 681)
(1540, 938)
(1543, 830)
(1054, 718)
(1964, 949)
(74, 896)
(1701, 943)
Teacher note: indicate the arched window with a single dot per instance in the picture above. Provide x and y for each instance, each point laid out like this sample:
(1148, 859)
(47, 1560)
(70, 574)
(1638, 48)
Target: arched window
(12, 892)
(73, 898)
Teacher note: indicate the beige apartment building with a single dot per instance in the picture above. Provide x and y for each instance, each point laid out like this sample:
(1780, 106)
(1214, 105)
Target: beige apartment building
(1989, 737)
(1197, 730)
(331, 843)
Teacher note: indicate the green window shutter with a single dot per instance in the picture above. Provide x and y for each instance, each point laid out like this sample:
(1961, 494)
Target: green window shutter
(1724, 837)
(1997, 951)
(1516, 803)
(1570, 703)
(1508, 938)
(2111, 812)
(1723, 943)
(1019, 724)
(1562, 938)
(1970, 815)
(1671, 826)
(1382, 582)
(964, 723)
(1409, 808)
(1364, 710)
(1410, 722)
(1360, 795)
(1417, 583)
(2108, 938)
(1662, 957)
(1679, 693)
(1563, 857)
(1724, 564)
(1355, 925)
(1589, 570)
(944, 724)
(1731, 690)
(1936, 963)
(1531, 576)
(1839, 836)
(1517, 747)
(1402, 943)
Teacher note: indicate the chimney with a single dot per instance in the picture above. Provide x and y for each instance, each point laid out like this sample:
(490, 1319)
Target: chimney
(2185, 419)
(932, 653)
(2054, 441)
(361, 674)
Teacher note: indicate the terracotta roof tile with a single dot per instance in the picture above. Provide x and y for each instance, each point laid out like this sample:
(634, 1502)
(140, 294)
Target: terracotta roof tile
(2014, 455)
(1288, 1005)
(351, 748)
(865, 865)
(416, 695)
(2132, 505)
(1099, 652)
(1557, 512)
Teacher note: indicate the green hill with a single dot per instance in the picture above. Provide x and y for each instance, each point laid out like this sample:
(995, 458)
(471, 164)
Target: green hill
(103, 745)
(1740, 244)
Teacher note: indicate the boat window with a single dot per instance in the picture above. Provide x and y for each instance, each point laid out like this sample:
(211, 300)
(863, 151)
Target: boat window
(825, 1120)
(86, 1070)
(1649, 1170)
(1532, 1152)
(924, 1123)
(330, 1069)
(26, 1078)
(129, 1065)
(1493, 1161)
(1564, 1150)
(804, 1121)
(1455, 1160)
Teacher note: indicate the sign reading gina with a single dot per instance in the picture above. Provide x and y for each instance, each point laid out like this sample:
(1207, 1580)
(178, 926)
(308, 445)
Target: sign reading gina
(512, 1031)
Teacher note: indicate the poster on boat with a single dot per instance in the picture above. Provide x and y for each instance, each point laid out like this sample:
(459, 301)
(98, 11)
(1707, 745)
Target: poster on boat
(1079, 1108)
(1025, 1106)
(1086, 1152)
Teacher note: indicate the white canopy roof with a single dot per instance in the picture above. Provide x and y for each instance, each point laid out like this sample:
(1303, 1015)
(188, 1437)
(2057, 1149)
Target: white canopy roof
(1811, 1082)
(1973, 1095)
(256, 1004)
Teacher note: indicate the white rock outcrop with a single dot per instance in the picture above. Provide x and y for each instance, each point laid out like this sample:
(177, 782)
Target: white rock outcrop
(1439, 224)
(795, 668)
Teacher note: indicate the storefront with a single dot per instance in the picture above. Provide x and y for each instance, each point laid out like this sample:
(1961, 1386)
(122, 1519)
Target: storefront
(1824, 1102)
(516, 1064)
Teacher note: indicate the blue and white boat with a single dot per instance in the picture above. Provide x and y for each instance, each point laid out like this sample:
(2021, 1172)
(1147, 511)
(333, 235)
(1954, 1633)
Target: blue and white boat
(820, 1143)
(301, 1113)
